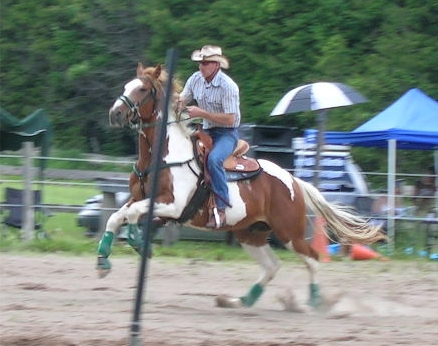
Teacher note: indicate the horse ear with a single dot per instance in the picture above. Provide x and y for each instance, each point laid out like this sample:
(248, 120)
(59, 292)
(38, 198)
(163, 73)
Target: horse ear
(140, 68)
(157, 71)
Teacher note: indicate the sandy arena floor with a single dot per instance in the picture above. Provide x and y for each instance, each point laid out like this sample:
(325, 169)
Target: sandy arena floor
(51, 300)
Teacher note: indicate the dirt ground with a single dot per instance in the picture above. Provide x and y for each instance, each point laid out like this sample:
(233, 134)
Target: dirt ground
(51, 300)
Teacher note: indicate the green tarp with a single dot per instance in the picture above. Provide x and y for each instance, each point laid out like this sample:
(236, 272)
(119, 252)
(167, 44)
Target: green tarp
(34, 128)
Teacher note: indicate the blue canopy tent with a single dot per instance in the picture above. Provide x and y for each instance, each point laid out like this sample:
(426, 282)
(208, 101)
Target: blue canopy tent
(411, 122)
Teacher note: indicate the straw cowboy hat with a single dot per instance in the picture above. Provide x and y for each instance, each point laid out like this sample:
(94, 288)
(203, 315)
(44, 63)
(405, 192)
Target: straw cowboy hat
(211, 53)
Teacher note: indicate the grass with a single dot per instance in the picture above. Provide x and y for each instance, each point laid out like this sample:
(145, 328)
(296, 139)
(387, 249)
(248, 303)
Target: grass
(64, 236)
(59, 192)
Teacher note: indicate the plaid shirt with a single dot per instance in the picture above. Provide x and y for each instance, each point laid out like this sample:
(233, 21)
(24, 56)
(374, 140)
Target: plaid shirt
(219, 96)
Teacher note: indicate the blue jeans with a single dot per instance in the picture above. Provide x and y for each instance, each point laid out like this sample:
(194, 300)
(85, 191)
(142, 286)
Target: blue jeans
(224, 143)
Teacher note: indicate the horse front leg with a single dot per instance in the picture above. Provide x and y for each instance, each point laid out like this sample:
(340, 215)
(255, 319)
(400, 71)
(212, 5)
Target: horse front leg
(270, 265)
(104, 248)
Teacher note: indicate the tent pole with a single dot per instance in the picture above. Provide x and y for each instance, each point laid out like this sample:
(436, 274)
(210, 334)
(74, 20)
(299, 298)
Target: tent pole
(392, 145)
(28, 196)
(435, 162)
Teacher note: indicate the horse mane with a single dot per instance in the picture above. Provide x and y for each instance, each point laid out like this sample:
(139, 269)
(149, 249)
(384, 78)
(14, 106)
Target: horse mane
(187, 126)
(163, 78)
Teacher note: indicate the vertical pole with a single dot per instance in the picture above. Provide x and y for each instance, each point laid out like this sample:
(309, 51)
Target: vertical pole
(109, 203)
(392, 146)
(171, 58)
(28, 211)
(319, 146)
(435, 165)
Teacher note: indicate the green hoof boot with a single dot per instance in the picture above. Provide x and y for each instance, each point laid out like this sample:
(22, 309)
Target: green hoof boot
(103, 266)
(314, 299)
(253, 295)
(134, 238)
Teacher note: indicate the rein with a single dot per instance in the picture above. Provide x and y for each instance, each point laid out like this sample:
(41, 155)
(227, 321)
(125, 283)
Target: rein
(155, 123)
(142, 175)
(166, 165)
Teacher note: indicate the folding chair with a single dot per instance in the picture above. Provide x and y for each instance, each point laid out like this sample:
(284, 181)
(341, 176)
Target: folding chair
(15, 205)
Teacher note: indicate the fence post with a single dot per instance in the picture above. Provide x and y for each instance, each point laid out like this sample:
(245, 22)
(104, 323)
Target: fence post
(28, 195)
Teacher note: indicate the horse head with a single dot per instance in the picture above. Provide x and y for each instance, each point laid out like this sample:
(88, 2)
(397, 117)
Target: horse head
(141, 98)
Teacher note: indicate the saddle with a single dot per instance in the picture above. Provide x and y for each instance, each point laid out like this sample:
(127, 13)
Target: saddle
(237, 166)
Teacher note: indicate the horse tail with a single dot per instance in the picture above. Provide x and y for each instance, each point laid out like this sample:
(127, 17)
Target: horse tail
(347, 226)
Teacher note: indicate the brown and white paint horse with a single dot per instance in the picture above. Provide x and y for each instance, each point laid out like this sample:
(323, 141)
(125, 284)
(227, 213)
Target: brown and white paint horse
(142, 98)
(272, 201)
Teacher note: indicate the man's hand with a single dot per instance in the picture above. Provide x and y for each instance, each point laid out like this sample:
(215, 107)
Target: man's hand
(179, 107)
(195, 112)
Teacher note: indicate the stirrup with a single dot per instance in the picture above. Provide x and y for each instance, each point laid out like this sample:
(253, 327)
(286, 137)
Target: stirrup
(217, 219)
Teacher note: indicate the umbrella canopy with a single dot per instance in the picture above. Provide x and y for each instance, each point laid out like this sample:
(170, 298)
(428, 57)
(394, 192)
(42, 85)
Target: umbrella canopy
(316, 96)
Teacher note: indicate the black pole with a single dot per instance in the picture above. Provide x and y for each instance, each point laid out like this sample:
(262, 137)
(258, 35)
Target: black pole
(171, 58)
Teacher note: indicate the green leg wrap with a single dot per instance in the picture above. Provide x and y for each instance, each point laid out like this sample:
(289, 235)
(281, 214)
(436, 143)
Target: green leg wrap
(254, 293)
(104, 248)
(314, 299)
(134, 238)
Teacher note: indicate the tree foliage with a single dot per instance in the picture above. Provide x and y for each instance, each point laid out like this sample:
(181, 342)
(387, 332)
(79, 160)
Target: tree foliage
(72, 57)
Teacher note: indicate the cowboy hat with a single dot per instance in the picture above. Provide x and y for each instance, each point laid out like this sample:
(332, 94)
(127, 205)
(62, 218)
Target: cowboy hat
(211, 53)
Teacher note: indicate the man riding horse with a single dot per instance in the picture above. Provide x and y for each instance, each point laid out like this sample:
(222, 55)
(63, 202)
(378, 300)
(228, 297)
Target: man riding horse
(217, 101)
(263, 200)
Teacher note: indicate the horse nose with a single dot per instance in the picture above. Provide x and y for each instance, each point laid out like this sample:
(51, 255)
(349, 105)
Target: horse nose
(115, 117)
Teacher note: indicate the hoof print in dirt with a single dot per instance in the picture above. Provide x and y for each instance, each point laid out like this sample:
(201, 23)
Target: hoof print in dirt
(225, 301)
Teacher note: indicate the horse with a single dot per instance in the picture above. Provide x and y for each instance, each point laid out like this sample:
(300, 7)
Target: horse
(264, 198)
(147, 96)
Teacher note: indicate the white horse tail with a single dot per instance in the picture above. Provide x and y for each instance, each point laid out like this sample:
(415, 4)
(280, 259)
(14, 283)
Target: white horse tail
(342, 221)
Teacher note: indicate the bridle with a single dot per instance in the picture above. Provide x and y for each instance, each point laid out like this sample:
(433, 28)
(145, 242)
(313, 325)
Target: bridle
(135, 121)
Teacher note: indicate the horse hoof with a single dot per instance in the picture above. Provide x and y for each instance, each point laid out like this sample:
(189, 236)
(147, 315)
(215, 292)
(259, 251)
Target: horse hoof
(314, 303)
(224, 301)
(315, 298)
(101, 273)
(103, 266)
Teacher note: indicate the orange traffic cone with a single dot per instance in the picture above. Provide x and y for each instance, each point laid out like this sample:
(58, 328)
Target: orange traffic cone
(360, 252)
(320, 241)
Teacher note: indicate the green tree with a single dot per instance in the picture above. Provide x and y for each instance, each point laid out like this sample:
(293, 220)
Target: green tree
(72, 57)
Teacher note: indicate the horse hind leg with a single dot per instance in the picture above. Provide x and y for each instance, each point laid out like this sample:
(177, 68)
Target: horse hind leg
(310, 258)
(135, 236)
(270, 264)
(135, 239)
